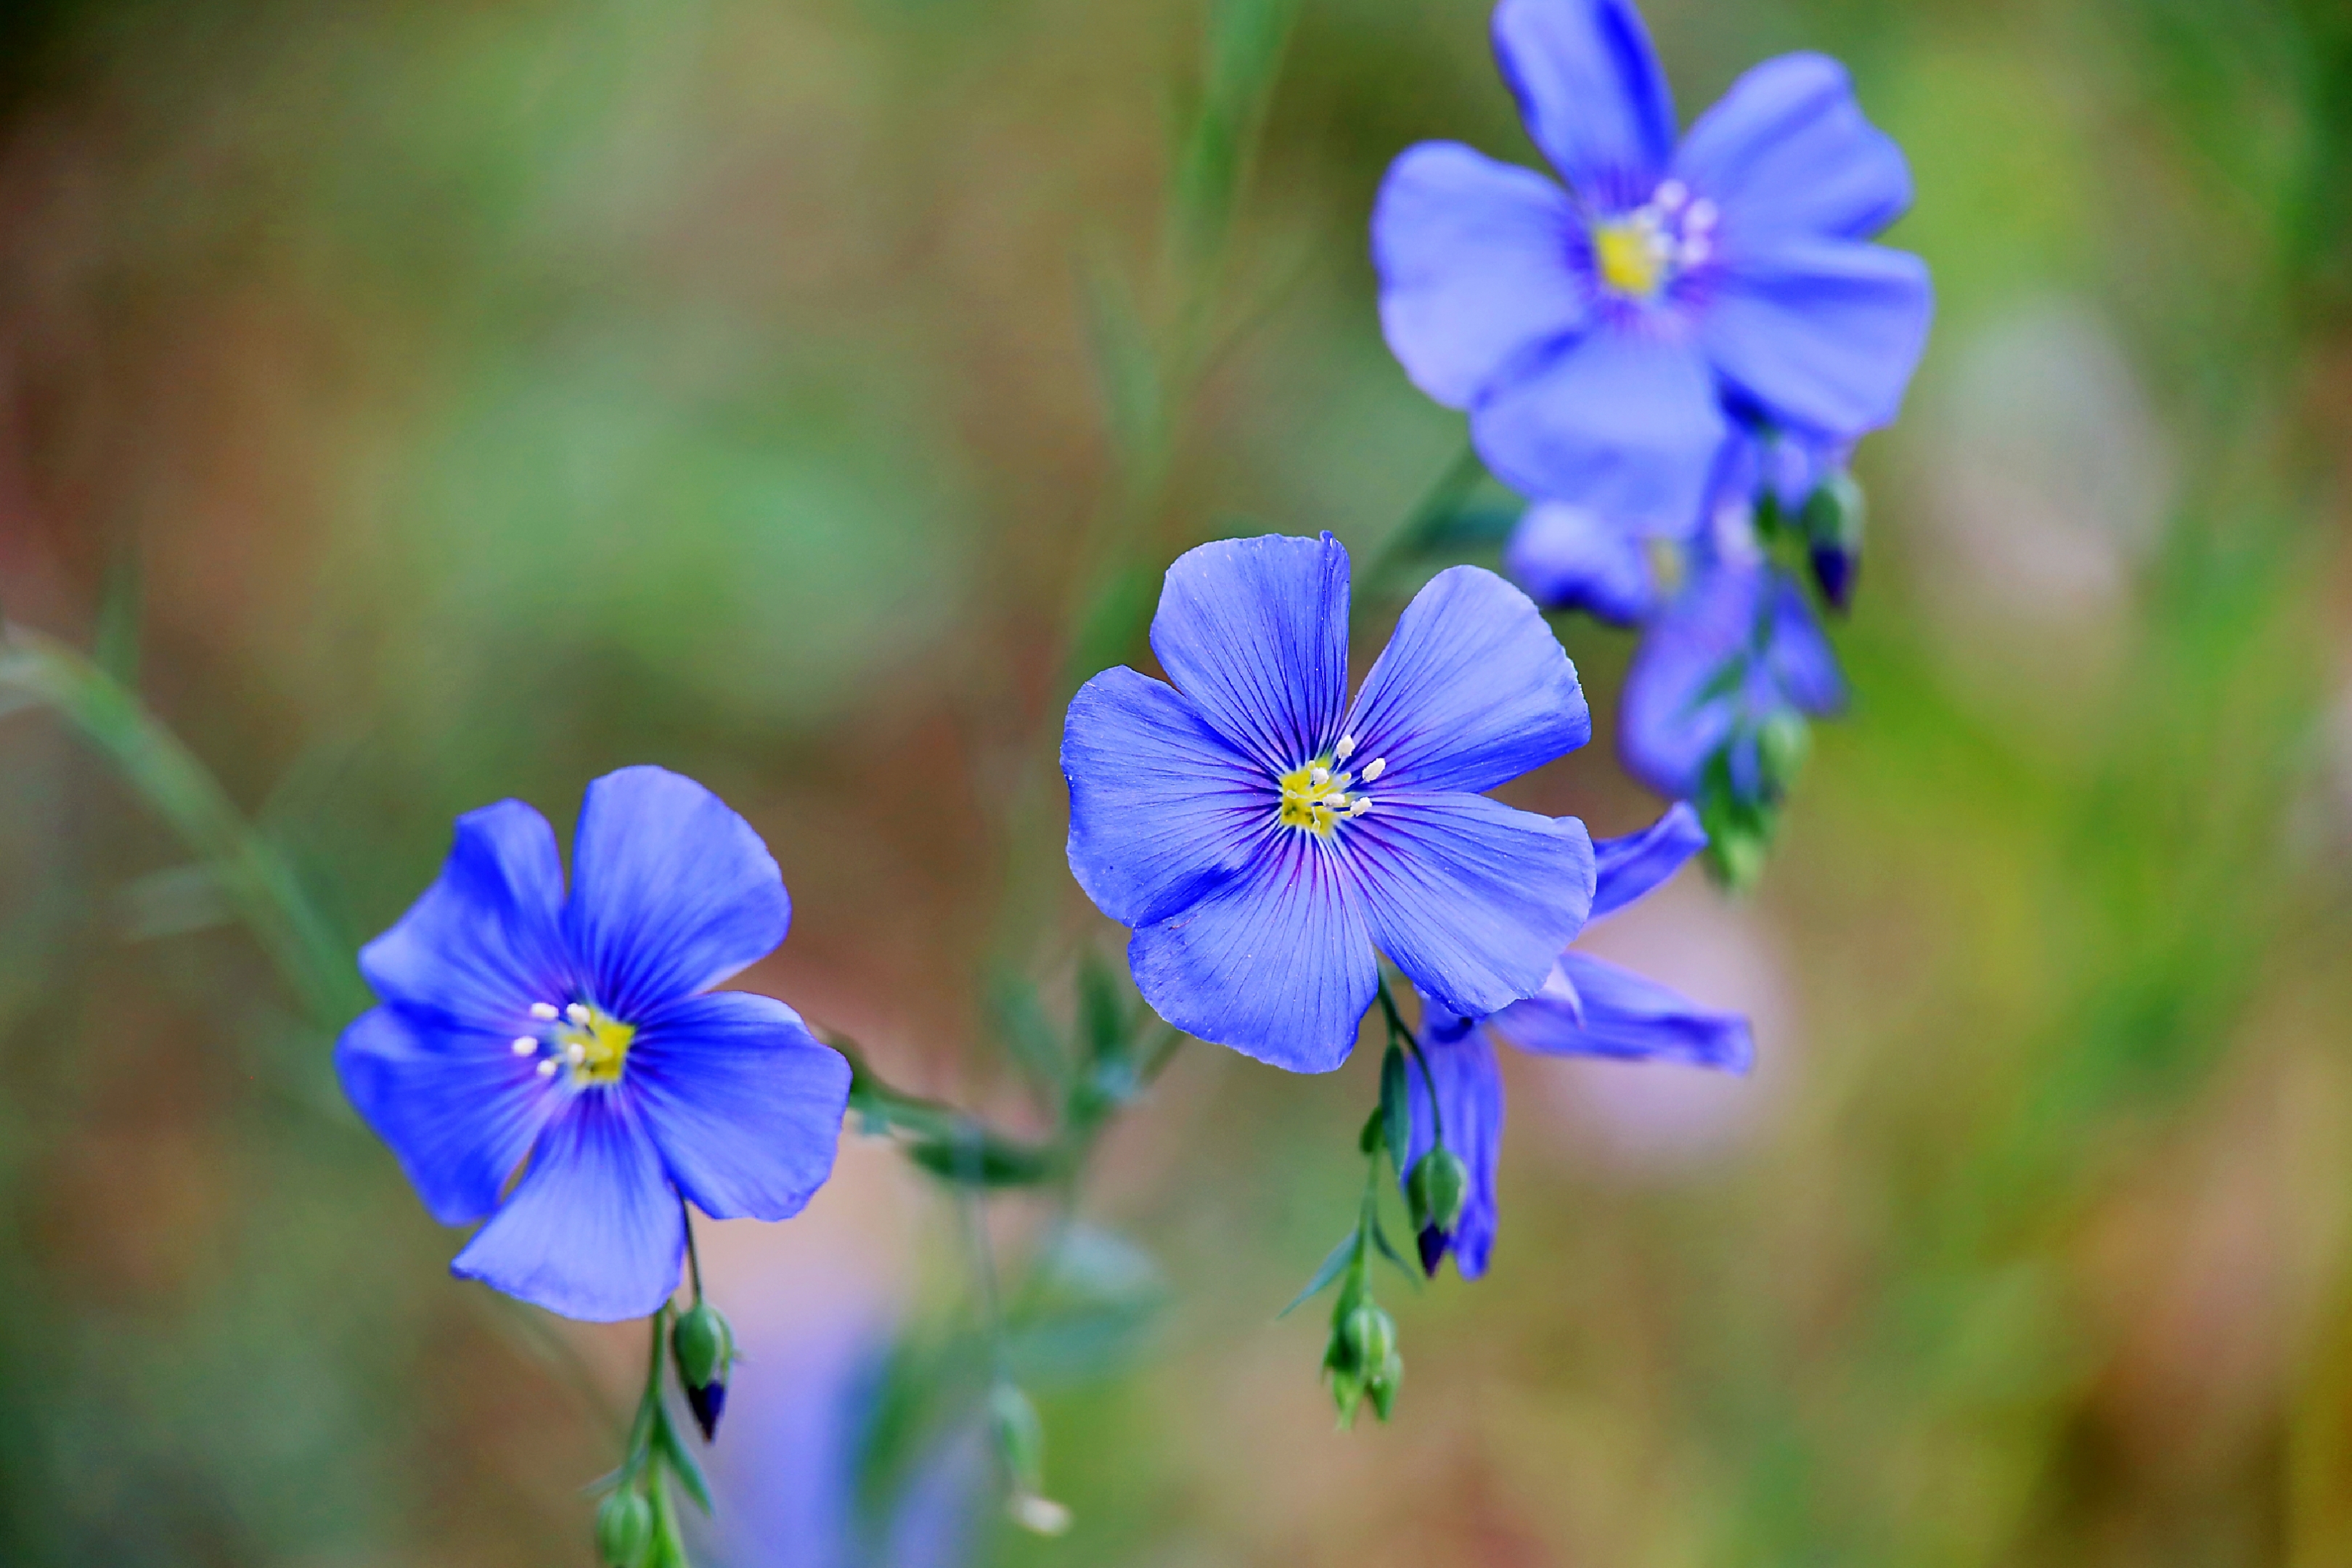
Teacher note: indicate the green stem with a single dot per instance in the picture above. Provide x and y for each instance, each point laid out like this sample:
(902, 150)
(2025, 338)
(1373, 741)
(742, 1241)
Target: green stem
(251, 874)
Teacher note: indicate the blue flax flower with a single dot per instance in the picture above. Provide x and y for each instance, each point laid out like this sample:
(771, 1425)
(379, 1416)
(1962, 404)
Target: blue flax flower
(1264, 839)
(1604, 338)
(578, 1040)
(1735, 653)
(1585, 1008)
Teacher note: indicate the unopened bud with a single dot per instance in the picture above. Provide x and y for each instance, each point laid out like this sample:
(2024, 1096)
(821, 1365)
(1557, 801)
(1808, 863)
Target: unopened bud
(1371, 1336)
(1383, 1384)
(1439, 1181)
(1020, 1437)
(1833, 517)
(704, 1349)
(625, 1529)
(1781, 746)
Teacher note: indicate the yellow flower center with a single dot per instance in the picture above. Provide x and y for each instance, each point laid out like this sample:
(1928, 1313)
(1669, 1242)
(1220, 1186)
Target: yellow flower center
(1631, 256)
(1316, 799)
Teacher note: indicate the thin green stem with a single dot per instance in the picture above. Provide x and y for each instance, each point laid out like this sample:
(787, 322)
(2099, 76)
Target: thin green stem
(693, 1252)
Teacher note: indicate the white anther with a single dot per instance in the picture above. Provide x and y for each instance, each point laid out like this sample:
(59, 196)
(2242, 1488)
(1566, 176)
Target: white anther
(577, 1012)
(524, 1046)
(547, 1067)
(1363, 804)
(1695, 252)
(576, 1053)
(1672, 195)
(1701, 215)
(1375, 768)
(1319, 777)
(544, 1012)
(1337, 798)
(1347, 749)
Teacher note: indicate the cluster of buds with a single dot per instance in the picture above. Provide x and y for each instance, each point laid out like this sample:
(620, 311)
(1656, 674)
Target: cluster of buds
(1362, 1357)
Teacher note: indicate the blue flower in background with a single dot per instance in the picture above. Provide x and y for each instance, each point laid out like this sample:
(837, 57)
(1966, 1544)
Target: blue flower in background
(1605, 339)
(1263, 839)
(1585, 1008)
(581, 1035)
(1733, 659)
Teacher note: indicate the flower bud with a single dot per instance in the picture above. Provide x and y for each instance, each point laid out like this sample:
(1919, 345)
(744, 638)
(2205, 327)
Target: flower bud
(625, 1529)
(703, 1345)
(1782, 746)
(1439, 1183)
(1832, 519)
(1371, 1336)
(1383, 1384)
(1019, 1437)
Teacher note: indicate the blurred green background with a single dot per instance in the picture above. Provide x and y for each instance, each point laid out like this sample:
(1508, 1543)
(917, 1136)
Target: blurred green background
(432, 401)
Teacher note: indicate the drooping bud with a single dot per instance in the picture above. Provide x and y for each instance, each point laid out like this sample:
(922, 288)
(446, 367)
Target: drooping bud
(1383, 1384)
(1440, 1181)
(1832, 519)
(1371, 1335)
(1782, 743)
(704, 1348)
(625, 1529)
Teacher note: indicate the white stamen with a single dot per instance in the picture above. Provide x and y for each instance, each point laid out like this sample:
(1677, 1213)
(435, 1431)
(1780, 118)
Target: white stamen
(1363, 804)
(1695, 252)
(1347, 749)
(1319, 777)
(576, 1053)
(524, 1046)
(547, 1067)
(1672, 195)
(1337, 798)
(1375, 768)
(577, 1012)
(544, 1012)
(1701, 215)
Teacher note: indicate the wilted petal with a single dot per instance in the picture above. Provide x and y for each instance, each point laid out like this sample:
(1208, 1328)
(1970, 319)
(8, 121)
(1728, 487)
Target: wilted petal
(1627, 1017)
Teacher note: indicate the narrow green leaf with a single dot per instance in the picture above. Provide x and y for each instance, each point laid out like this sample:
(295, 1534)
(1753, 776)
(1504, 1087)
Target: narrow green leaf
(681, 1464)
(1380, 1242)
(1341, 1255)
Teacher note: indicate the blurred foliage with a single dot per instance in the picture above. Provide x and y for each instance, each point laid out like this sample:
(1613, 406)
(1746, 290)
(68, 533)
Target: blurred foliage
(424, 403)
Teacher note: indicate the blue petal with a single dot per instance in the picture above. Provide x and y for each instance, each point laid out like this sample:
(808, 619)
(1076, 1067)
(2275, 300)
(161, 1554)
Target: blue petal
(594, 1231)
(743, 1102)
(1590, 92)
(671, 891)
(1254, 631)
(1472, 691)
(1163, 811)
(1820, 335)
(483, 943)
(1470, 1104)
(1473, 261)
(458, 1108)
(1625, 424)
(1787, 151)
(1569, 558)
(1627, 1017)
(1470, 898)
(1625, 868)
(1803, 666)
(1670, 716)
(1277, 966)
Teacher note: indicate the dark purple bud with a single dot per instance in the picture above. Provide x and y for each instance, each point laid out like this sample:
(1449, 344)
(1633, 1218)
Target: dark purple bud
(1434, 1245)
(1835, 568)
(708, 1402)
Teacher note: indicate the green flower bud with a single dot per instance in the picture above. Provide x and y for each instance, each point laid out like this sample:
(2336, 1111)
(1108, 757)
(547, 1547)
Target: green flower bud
(625, 1529)
(1781, 746)
(1439, 1181)
(703, 1345)
(1370, 1334)
(1383, 1384)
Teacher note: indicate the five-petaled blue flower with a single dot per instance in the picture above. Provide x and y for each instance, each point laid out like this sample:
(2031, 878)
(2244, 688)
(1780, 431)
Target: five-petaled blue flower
(1264, 839)
(1585, 1008)
(1605, 339)
(578, 1039)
